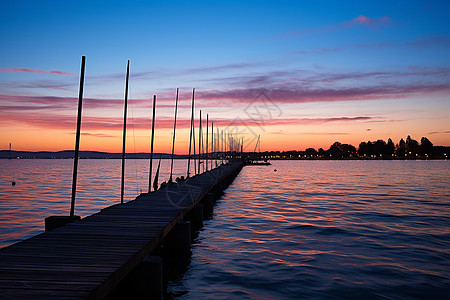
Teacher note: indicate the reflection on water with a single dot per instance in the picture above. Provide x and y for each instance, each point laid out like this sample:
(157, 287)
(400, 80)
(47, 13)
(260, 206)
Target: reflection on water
(327, 230)
(311, 230)
(44, 188)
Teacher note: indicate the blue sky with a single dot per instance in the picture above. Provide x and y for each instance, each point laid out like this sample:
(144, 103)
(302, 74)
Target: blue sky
(343, 70)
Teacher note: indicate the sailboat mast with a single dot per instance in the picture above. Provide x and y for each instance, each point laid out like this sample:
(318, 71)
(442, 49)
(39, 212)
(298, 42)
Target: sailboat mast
(173, 141)
(77, 137)
(191, 134)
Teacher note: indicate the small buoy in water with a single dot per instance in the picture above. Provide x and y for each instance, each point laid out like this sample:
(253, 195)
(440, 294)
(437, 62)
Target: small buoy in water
(13, 183)
(275, 170)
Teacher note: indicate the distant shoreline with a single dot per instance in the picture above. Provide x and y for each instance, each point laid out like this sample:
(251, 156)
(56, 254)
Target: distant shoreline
(69, 154)
(440, 152)
(311, 159)
(168, 156)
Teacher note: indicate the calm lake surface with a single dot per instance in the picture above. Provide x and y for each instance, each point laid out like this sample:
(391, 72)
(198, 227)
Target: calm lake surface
(310, 230)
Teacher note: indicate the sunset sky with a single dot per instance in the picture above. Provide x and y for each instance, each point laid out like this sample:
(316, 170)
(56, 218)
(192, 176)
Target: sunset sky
(299, 73)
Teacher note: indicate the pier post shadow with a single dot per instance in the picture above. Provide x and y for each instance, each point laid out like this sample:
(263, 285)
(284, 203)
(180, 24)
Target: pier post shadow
(54, 222)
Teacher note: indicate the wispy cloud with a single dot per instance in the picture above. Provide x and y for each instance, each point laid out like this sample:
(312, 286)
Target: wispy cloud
(301, 94)
(420, 43)
(309, 81)
(358, 21)
(24, 70)
(373, 22)
(326, 133)
(310, 121)
(100, 135)
(40, 84)
(57, 121)
(64, 121)
(18, 103)
(439, 132)
(282, 87)
(164, 73)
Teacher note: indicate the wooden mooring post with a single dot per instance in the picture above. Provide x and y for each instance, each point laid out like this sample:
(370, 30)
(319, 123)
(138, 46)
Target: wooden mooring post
(53, 222)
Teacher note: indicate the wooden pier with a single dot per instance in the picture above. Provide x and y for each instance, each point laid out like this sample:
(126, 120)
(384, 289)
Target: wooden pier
(88, 258)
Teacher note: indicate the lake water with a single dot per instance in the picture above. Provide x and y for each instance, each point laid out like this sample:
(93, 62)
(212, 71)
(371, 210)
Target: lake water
(310, 230)
(44, 188)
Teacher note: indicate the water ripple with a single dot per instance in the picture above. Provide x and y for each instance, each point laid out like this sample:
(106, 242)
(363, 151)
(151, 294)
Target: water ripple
(327, 230)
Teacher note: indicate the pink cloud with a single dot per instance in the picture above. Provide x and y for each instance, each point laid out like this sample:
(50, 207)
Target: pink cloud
(60, 121)
(67, 122)
(363, 20)
(306, 121)
(326, 133)
(23, 103)
(101, 135)
(61, 73)
(18, 70)
(373, 22)
(306, 90)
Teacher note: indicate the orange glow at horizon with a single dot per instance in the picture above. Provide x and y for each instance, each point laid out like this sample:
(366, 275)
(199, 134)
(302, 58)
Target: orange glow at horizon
(274, 138)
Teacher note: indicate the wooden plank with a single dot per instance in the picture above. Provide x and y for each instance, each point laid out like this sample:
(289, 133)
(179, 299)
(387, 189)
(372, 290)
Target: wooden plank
(49, 285)
(14, 294)
(54, 275)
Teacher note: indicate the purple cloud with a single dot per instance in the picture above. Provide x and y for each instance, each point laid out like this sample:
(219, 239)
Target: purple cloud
(421, 43)
(24, 70)
(301, 94)
(358, 21)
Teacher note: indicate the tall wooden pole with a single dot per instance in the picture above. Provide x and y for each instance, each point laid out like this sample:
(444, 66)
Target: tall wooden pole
(191, 135)
(193, 140)
(122, 184)
(226, 154)
(222, 153)
(230, 140)
(77, 137)
(173, 141)
(199, 141)
(207, 133)
(213, 143)
(151, 146)
(217, 145)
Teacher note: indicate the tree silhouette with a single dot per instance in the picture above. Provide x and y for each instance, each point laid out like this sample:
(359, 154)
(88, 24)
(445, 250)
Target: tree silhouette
(310, 152)
(412, 147)
(401, 148)
(426, 147)
(378, 149)
(390, 148)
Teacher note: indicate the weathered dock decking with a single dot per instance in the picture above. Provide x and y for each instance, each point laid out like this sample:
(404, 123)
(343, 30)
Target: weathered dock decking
(90, 257)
